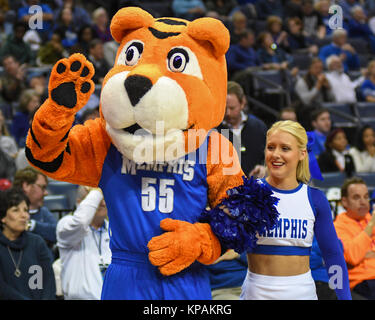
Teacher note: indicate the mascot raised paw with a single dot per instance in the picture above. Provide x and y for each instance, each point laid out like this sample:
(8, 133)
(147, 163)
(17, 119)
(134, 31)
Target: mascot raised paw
(155, 155)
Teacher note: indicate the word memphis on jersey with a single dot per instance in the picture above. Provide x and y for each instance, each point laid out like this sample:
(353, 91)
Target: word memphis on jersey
(288, 228)
(182, 167)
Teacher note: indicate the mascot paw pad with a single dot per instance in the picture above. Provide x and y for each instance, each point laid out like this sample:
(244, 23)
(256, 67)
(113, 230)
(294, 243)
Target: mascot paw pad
(71, 81)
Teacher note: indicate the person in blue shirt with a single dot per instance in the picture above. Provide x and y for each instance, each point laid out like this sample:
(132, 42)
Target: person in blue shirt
(242, 55)
(27, 15)
(341, 48)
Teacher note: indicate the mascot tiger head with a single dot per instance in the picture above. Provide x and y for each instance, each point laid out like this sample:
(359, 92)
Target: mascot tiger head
(169, 79)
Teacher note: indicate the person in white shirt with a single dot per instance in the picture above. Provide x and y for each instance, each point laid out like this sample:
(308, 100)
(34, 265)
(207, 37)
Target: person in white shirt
(83, 242)
(342, 87)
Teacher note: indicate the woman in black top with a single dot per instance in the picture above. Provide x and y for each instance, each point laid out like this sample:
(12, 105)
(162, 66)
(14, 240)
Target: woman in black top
(336, 157)
(25, 264)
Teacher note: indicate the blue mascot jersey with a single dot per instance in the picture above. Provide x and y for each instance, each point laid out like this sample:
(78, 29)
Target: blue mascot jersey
(138, 197)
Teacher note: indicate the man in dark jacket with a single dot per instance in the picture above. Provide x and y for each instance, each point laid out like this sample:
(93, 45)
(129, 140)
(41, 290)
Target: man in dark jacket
(245, 131)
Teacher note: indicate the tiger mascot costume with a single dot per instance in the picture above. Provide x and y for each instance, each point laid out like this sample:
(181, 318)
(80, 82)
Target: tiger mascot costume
(169, 80)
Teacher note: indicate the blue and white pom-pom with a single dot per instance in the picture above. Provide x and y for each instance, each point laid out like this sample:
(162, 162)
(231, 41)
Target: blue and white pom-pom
(252, 210)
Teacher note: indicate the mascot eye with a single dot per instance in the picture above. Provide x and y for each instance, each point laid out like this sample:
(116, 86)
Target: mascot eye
(177, 60)
(133, 53)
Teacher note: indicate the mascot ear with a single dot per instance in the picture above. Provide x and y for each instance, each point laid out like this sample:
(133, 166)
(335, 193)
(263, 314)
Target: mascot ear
(211, 30)
(129, 18)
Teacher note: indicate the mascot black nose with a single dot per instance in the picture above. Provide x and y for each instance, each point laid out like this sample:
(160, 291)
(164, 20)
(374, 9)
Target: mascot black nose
(136, 87)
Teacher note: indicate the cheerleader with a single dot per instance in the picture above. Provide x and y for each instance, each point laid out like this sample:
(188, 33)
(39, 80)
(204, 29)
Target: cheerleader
(278, 267)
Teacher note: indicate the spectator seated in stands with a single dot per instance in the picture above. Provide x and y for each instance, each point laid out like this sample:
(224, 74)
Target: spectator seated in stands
(66, 28)
(12, 80)
(227, 275)
(188, 9)
(367, 89)
(296, 40)
(337, 156)
(96, 57)
(83, 242)
(7, 142)
(341, 48)
(101, 24)
(321, 123)
(313, 26)
(343, 88)
(313, 88)
(242, 55)
(52, 51)
(238, 26)
(21, 252)
(42, 222)
(16, 47)
(358, 26)
(270, 55)
(29, 102)
(355, 229)
(364, 151)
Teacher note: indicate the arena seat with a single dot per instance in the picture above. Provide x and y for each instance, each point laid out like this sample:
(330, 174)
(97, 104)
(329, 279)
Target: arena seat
(301, 60)
(66, 189)
(365, 109)
(360, 45)
(331, 179)
(57, 204)
(342, 114)
(368, 177)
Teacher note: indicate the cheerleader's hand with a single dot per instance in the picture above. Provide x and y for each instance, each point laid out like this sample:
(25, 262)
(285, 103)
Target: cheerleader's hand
(183, 244)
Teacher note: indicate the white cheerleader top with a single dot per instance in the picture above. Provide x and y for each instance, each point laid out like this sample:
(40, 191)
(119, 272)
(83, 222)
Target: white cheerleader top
(294, 230)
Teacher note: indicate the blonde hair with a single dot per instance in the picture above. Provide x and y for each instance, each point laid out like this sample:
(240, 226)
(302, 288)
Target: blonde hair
(297, 131)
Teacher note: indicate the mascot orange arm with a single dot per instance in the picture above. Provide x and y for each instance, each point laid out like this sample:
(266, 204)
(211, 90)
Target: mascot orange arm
(73, 154)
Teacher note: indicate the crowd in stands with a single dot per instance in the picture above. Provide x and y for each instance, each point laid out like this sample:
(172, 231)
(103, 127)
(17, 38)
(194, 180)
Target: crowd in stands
(290, 38)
